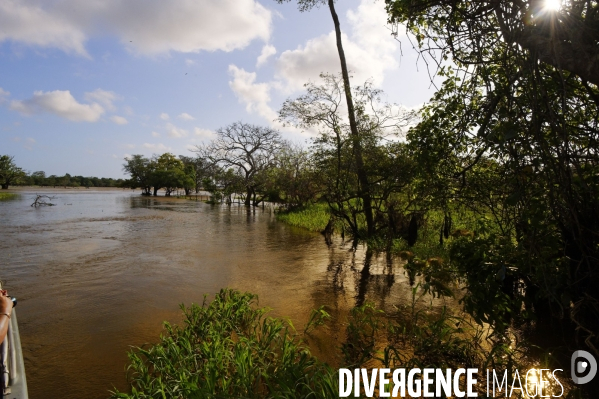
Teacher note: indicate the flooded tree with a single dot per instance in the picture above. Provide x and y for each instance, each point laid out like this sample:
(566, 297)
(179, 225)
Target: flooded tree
(140, 169)
(322, 107)
(249, 150)
(202, 169)
(161, 171)
(512, 133)
(364, 187)
(171, 173)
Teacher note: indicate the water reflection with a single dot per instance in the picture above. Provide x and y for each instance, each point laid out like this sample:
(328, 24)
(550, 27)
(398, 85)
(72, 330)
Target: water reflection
(103, 273)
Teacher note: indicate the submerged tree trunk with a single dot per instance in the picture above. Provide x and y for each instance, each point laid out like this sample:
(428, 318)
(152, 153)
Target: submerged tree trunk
(363, 179)
(5, 186)
(248, 197)
(156, 191)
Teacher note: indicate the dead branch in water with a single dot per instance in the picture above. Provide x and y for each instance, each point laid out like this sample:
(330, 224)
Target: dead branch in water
(42, 200)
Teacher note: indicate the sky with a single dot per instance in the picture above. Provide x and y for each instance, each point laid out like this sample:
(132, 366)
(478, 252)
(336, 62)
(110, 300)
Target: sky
(84, 84)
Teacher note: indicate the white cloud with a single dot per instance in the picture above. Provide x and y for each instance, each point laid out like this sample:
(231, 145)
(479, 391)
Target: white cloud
(255, 96)
(189, 62)
(144, 26)
(156, 147)
(371, 52)
(186, 117)
(119, 120)
(58, 102)
(267, 51)
(369, 48)
(164, 116)
(31, 24)
(104, 97)
(175, 132)
(155, 134)
(204, 133)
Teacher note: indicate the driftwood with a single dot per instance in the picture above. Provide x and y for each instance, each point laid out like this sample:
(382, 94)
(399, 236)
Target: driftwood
(42, 200)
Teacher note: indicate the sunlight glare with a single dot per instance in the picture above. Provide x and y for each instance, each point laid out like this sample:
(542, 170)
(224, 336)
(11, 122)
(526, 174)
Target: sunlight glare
(553, 5)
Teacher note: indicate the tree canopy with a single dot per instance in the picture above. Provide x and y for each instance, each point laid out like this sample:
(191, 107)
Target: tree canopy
(10, 173)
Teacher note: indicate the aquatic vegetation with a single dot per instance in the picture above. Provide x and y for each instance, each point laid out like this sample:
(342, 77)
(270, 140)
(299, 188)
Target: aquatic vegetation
(229, 348)
(313, 217)
(8, 196)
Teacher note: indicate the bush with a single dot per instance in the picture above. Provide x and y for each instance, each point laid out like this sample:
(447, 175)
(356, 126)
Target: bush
(228, 349)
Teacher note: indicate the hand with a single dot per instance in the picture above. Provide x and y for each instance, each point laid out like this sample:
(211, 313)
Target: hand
(5, 302)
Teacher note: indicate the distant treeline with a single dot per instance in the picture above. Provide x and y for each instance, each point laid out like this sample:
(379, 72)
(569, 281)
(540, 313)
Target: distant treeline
(40, 179)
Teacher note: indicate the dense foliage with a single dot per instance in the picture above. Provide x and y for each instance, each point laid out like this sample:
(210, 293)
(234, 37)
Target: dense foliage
(512, 134)
(229, 348)
(10, 173)
(159, 172)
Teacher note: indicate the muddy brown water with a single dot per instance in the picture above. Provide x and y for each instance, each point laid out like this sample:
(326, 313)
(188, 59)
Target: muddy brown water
(100, 272)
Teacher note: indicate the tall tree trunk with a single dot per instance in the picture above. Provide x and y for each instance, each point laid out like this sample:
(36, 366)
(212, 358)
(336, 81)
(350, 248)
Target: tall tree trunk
(363, 179)
(5, 186)
(156, 191)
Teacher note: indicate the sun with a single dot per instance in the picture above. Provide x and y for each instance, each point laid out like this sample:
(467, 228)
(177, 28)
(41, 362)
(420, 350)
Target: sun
(553, 5)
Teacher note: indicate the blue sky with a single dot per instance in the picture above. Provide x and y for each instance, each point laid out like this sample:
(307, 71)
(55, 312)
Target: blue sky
(84, 84)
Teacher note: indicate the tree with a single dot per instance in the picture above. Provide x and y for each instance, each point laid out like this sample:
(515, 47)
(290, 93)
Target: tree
(170, 173)
(10, 173)
(201, 167)
(140, 169)
(333, 151)
(364, 189)
(513, 134)
(38, 178)
(294, 180)
(248, 149)
(566, 38)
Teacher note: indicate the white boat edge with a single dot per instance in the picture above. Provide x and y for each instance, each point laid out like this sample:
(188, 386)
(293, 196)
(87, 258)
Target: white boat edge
(18, 380)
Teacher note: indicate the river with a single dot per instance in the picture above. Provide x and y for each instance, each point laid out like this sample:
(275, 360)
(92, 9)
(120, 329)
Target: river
(100, 272)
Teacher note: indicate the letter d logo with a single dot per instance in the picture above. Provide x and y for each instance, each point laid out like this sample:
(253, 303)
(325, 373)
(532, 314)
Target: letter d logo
(581, 363)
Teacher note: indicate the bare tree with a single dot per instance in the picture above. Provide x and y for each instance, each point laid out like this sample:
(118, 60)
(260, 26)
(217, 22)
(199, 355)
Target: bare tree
(248, 149)
(42, 200)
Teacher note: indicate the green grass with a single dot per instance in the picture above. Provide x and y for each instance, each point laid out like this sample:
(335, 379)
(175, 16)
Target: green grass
(313, 217)
(8, 196)
(229, 348)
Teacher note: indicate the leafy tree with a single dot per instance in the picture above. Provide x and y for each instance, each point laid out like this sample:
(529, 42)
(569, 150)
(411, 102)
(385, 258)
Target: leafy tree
(38, 178)
(169, 173)
(566, 39)
(10, 173)
(513, 133)
(202, 168)
(140, 169)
